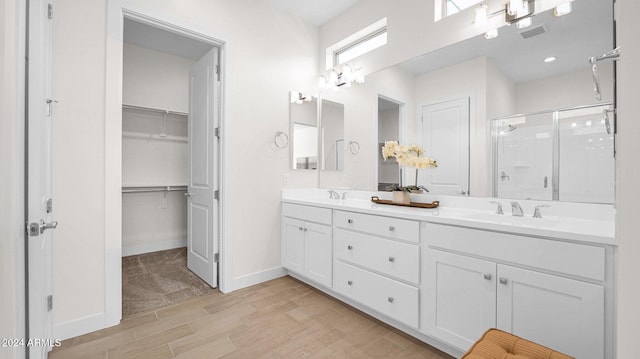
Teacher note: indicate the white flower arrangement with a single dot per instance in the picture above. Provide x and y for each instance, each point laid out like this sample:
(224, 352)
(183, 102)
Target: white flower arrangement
(407, 156)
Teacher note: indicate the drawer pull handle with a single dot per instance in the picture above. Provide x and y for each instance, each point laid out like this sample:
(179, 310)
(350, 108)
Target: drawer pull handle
(503, 280)
(349, 247)
(392, 259)
(392, 228)
(350, 221)
(390, 299)
(349, 282)
(487, 276)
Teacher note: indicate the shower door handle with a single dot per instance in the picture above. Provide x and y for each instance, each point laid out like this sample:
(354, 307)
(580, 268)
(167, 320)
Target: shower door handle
(546, 181)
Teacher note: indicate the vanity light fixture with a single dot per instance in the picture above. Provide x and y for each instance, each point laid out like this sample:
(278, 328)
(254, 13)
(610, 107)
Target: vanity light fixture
(519, 12)
(491, 34)
(526, 22)
(562, 9)
(299, 98)
(481, 15)
(347, 76)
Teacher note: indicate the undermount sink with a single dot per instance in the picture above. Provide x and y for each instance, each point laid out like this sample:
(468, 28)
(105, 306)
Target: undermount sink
(513, 220)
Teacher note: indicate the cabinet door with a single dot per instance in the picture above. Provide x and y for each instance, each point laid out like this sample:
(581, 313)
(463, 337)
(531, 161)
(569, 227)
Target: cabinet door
(293, 245)
(458, 297)
(318, 253)
(563, 314)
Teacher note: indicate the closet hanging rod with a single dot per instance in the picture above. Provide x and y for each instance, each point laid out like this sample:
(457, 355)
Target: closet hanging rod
(153, 189)
(150, 109)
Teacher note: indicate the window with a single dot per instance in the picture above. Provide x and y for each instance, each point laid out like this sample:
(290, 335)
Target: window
(361, 47)
(357, 44)
(445, 8)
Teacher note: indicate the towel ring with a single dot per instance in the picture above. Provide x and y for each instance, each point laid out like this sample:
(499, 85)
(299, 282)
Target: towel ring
(281, 140)
(354, 147)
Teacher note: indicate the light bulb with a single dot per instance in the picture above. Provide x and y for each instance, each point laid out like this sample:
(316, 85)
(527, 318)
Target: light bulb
(481, 15)
(491, 34)
(562, 9)
(515, 6)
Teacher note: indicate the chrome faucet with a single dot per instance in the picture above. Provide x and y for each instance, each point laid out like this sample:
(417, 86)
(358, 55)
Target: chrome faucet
(516, 210)
(536, 211)
(499, 208)
(333, 194)
(344, 195)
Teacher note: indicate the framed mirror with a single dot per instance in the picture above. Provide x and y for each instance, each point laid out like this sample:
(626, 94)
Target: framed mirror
(304, 130)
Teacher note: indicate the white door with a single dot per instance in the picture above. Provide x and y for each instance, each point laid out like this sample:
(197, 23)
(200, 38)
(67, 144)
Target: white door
(445, 138)
(39, 201)
(459, 298)
(563, 314)
(202, 208)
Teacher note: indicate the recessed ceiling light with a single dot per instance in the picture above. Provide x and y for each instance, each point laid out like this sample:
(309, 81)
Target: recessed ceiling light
(550, 59)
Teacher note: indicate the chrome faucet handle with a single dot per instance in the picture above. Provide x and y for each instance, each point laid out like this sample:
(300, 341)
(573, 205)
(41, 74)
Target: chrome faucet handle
(516, 210)
(499, 207)
(333, 194)
(536, 211)
(344, 195)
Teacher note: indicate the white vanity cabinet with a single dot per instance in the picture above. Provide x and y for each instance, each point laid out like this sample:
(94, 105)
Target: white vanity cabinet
(377, 263)
(307, 243)
(547, 291)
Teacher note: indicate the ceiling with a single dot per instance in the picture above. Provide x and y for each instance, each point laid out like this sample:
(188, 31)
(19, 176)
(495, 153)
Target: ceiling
(316, 12)
(572, 39)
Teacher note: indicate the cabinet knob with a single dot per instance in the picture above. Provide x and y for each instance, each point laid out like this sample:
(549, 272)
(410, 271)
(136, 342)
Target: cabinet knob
(392, 259)
(392, 228)
(390, 299)
(349, 247)
(300, 228)
(503, 280)
(349, 282)
(350, 221)
(487, 276)
(305, 229)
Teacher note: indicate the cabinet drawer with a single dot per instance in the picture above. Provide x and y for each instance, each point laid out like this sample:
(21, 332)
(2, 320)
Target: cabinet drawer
(394, 299)
(562, 257)
(307, 213)
(404, 229)
(396, 259)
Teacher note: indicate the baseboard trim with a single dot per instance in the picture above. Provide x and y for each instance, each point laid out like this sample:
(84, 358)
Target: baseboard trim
(258, 277)
(153, 247)
(77, 327)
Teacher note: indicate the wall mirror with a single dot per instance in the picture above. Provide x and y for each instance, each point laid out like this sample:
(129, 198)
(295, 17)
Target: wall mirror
(332, 135)
(543, 68)
(304, 130)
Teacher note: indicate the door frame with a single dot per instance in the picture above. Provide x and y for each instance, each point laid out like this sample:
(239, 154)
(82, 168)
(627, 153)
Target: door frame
(117, 11)
(402, 129)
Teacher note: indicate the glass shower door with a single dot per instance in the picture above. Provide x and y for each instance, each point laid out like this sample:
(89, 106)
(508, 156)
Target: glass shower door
(524, 157)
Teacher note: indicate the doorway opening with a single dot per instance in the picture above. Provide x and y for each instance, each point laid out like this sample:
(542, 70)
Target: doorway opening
(389, 112)
(170, 166)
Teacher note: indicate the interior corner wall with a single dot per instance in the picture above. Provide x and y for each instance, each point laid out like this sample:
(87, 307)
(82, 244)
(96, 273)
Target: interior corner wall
(12, 306)
(627, 179)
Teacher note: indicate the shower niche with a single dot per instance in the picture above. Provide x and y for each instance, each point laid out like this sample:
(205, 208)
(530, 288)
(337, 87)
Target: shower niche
(560, 155)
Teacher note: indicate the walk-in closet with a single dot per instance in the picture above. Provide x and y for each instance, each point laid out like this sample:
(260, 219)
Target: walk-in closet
(157, 74)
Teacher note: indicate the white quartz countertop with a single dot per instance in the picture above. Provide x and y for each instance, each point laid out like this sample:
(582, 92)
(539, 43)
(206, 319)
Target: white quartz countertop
(585, 223)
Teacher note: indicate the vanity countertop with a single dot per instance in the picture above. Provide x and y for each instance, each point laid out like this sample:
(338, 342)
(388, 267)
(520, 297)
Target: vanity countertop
(585, 223)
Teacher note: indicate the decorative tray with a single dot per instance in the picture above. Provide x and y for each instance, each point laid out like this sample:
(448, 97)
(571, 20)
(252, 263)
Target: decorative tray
(433, 204)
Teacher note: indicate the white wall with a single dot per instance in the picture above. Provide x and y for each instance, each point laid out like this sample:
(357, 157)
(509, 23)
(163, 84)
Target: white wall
(267, 54)
(12, 221)
(154, 221)
(567, 90)
(627, 179)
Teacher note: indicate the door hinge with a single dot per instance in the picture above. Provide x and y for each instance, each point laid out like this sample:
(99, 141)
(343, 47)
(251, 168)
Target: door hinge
(216, 257)
(50, 11)
(49, 302)
(217, 72)
(216, 194)
(216, 132)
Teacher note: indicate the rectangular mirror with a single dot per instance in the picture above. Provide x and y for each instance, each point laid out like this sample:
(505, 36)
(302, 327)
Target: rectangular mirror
(332, 135)
(304, 130)
(515, 73)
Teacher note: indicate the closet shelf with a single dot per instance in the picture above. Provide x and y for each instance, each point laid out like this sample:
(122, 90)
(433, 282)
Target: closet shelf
(141, 189)
(151, 109)
(159, 137)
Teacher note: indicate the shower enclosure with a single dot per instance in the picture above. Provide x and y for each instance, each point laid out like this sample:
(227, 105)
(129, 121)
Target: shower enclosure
(561, 155)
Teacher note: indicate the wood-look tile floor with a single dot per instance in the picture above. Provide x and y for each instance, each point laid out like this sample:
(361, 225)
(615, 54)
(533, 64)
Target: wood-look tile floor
(283, 318)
